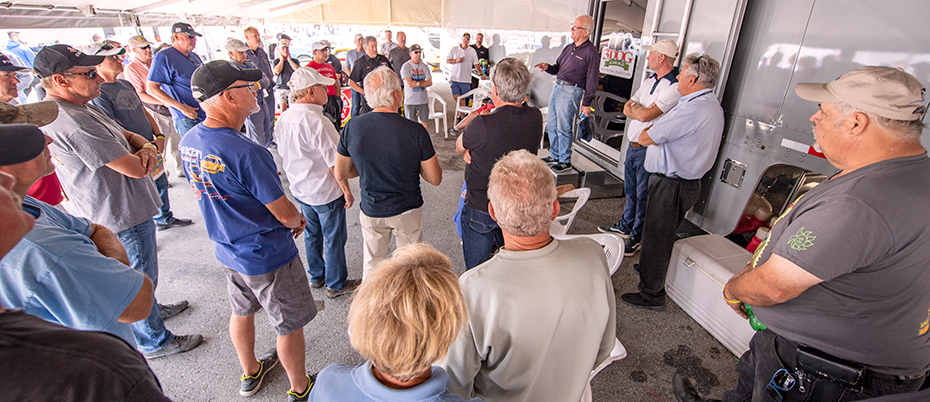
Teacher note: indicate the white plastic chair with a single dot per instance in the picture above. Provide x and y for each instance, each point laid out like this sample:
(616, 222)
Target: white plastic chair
(612, 244)
(478, 95)
(560, 225)
(437, 115)
(618, 352)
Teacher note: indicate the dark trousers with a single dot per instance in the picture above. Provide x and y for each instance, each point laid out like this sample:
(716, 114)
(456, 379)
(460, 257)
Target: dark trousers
(769, 352)
(668, 201)
(481, 237)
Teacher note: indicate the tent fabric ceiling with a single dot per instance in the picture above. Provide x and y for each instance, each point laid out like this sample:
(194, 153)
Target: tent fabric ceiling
(532, 15)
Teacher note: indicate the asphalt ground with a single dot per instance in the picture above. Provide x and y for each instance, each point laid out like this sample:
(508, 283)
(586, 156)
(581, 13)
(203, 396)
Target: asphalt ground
(658, 343)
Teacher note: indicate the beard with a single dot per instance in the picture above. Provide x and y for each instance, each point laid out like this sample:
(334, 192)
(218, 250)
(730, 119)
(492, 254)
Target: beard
(255, 108)
(816, 146)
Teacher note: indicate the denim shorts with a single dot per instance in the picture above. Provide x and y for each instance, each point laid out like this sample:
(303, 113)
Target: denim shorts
(284, 294)
(460, 88)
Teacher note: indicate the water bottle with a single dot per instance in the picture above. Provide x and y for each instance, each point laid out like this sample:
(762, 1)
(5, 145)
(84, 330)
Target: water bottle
(753, 320)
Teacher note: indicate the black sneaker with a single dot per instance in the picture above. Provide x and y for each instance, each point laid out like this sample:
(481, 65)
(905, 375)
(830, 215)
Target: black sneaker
(170, 310)
(549, 159)
(637, 300)
(295, 397)
(180, 344)
(349, 287)
(252, 383)
(614, 229)
(684, 389)
(631, 246)
(176, 223)
(561, 167)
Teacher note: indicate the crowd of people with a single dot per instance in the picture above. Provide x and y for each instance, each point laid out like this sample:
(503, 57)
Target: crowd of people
(514, 326)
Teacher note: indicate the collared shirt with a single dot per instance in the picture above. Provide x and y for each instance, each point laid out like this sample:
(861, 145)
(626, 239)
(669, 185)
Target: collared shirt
(481, 51)
(307, 143)
(687, 138)
(461, 72)
(579, 66)
(137, 73)
(265, 81)
(662, 91)
(260, 59)
(173, 70)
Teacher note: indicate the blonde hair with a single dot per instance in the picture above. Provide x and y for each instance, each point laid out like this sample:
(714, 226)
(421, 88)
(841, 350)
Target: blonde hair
(407, 312)
(522, 191)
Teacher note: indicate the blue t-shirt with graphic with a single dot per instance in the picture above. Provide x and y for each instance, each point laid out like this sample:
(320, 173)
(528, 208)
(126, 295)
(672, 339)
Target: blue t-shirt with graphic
(234, 178)
(173, 70)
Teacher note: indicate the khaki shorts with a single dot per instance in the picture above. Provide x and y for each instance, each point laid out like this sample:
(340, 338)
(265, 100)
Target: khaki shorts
(284, 294)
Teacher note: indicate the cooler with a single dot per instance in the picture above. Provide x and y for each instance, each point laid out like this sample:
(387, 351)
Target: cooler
(699, 268)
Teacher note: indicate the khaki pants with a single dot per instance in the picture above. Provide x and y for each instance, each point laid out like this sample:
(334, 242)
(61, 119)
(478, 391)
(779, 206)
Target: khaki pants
(166, 125)
(376, 232)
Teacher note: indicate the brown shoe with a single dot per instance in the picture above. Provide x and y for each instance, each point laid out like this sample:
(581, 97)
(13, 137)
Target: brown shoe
(316, 284)
(350, 286)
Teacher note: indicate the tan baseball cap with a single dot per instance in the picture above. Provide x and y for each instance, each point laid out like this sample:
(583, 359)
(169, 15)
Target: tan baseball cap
(138, 42)
(889, 92)
(237, 45)
(38, 114)
(667, 47)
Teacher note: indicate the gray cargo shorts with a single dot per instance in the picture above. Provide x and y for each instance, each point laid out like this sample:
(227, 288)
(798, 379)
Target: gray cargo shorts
(284, 294)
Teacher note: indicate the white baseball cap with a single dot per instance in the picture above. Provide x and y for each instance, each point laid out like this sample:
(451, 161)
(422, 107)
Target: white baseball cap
(306, 77)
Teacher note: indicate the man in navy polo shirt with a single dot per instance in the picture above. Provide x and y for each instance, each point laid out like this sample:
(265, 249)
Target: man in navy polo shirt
(253, 224)
(576, 81)
(170, 77)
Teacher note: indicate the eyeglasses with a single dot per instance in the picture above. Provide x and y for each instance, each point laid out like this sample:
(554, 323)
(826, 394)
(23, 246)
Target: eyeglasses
(574, 28)
(255, 87)
(91, 75)
(781, 380)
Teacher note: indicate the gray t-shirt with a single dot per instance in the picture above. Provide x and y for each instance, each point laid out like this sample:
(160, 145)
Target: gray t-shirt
(417, 72)
(120, 102)
(867, 236)
(85, 140)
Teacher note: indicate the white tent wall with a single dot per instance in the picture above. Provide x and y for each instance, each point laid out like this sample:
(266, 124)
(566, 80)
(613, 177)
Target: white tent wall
(527, 15)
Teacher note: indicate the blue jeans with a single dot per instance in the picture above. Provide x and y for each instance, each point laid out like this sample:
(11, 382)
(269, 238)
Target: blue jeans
(326, 226)
(356, 103)
(184, 124)
(142, 249)
(563, 107)
(257, 126)
(269, 109)
(164, 212)
(636, 189)
(481, 236)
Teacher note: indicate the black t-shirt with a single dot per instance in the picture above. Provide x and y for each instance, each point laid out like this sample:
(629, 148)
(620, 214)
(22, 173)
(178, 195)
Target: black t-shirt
(41, 361)
(387, 149)
(361, 68)
(482, 52)
(280, 81)
(507, 128)
(334, 61)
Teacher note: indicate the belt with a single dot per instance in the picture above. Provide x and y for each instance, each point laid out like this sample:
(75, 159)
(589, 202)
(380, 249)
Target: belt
(891, 377)
(635, 145)
(673, 177)
(560, 82)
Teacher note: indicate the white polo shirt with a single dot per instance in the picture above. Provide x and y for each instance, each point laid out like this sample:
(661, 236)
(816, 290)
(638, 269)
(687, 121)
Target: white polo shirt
(662, 91)
(307, 143)
(461, 72)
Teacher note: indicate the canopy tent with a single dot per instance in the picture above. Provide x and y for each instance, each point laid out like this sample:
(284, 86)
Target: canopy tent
(530, 15)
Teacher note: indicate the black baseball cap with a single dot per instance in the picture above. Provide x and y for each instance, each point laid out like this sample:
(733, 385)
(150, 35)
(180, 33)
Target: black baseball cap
(185, 28)
(214, 77)
(284, 36)
(20, 143)
(7, 65)
(54, 59)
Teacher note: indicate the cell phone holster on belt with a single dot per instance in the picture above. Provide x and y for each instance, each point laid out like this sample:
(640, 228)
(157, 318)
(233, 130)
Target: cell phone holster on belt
(816, 362)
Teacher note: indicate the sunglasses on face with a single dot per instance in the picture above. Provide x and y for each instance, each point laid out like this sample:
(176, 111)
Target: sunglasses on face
(416, 52)
(92, 74)
(146, 47)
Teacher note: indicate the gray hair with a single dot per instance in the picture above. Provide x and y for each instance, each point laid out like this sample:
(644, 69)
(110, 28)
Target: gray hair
(704, 67)
(380, 85)
(522, 191)
(370, 38)
(512, 79)
(901, 129)
(587, 23)
(300, 93)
